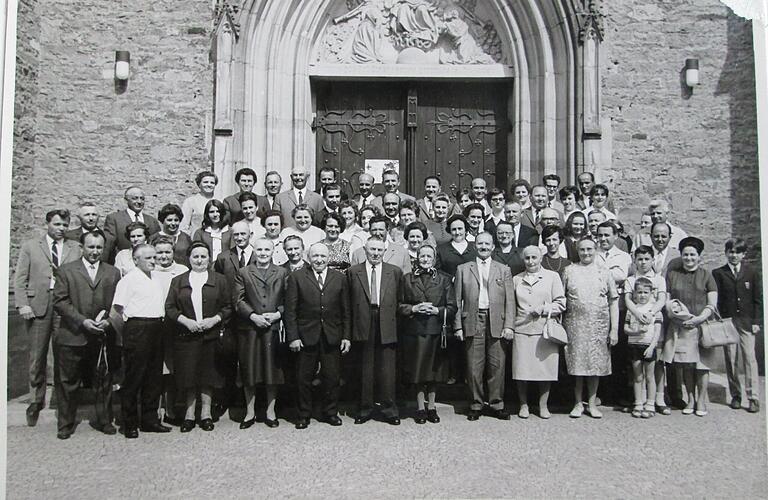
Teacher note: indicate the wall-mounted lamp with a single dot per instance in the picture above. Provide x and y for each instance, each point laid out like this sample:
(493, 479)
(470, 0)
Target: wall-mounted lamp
(122, 65)
(692, 72)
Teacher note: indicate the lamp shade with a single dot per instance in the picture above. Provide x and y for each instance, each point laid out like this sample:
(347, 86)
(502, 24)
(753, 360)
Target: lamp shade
(122, 64)
(692, 72)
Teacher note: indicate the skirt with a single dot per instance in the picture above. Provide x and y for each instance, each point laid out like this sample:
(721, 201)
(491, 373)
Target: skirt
(194, 363)
(534, 358)
(423, 359)
(681, 345)
(260, 355)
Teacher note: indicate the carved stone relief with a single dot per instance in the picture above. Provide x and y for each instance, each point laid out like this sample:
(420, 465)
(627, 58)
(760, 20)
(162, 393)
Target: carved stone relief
(410, 32)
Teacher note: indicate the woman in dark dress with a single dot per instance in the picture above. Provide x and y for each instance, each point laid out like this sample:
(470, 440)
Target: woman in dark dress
(426, 304)
(575, 229)
(452, 254)
(170, 217)
(260, 289)
(199, 304)
(552, 239)
(215, 230)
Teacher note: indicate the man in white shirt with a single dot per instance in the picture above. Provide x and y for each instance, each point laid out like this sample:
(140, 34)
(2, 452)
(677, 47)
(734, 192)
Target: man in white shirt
(116, 222)
(365, 195)
(552, 183)
(299, 194)
(273, 185)
(522, 236)
(393, 254)
(89, 221)
(659, 210)
(480, 192)
(496, 200)
(665, 253)
(140, 301)
(615, 260)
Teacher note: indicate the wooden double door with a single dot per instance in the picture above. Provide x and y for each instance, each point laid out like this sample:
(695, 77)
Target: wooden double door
(454, 130)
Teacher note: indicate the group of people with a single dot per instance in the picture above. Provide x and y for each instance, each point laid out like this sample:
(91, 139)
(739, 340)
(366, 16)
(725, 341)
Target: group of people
(205, 305)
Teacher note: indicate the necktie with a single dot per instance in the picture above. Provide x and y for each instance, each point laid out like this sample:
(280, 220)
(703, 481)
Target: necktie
(301, 198)
(320, 280)
(374, 288)
(242, 258)
(92, 272)
(484, 273)
(736, 271)
(54, 254)
(135, 216)
(538, 215)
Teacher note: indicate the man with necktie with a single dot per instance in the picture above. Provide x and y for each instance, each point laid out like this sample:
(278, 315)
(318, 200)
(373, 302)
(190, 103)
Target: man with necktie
(299, 194)
(116, 222)
(484, 321)
(374, 288)
(89, 220)
(33, 283)
(85, 339)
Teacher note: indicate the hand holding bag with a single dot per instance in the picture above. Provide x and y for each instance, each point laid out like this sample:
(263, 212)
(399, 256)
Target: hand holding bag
(718, 332)
(554, 331)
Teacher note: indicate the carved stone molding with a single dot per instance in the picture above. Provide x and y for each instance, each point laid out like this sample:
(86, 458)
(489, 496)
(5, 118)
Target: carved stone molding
(225, 17)
(591, 22)
(410, 32)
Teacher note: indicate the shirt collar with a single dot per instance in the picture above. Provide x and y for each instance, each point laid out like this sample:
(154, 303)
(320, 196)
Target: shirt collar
(88, 264)
(303, 192)
(132, 214)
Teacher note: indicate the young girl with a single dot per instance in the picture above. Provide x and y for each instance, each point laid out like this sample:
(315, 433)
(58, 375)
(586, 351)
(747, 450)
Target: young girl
(642, 339)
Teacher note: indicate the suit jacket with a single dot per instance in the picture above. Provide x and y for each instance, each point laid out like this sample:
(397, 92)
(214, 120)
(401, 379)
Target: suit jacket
(439, 291)
(228, 265)
(528, 236)
(378, 202)
(34, 270)
(394, 255)
(318, 217)
(216, 300)
(311, 311)
(528, 216)
(286, 201)
(254, 294)
(424, 217)
(183, 242)
(74, 234)
(513, 259)
(739, 297)
(360, 294)
(501, 296)
(236, 213)
(77, 298)
(448, 259)
(114, 229)
(672, 259)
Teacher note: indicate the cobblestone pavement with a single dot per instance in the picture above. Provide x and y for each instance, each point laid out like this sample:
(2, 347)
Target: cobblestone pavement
(721, 455)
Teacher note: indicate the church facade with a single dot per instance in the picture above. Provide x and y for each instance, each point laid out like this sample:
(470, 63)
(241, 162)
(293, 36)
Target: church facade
(500, 89)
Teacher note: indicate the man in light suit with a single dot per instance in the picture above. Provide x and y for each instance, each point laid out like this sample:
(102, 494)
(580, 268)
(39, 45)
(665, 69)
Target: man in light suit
(664, 253)
(374, 288)
(116, 222)
(531, 216)
(393, 254)
(82, 297)
(89, 220)
(484, 321)
(317, 326)
(33, 283)
(299, 194)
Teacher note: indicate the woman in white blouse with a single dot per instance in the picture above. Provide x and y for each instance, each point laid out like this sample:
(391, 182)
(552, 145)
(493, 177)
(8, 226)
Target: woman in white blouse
(215, 231)
(193, 208)
(136, 232)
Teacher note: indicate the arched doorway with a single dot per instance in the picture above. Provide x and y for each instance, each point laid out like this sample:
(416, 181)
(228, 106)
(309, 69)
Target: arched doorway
(276, 73)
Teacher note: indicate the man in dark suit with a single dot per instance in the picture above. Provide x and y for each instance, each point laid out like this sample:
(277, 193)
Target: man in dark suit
(317, 326)
(374, 287)
(739, 296)
(391, 181)
(299, 194)
(664, 253)
(331, 199)
(89, 220)
(523, 236)
(485, 320)
(33, 283)
(85, 340)
(245, 178)
(116, 222)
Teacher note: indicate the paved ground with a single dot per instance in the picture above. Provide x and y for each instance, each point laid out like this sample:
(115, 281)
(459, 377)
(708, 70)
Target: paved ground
(721, 455)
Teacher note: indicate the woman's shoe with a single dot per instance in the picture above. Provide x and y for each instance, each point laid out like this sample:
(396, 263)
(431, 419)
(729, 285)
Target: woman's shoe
(247, 424)
(524, 412)
(432, 416)
(206, 424)
(544, 413)
(687, 411)
(420, 417)
(701, 413)
(187, 425)
(578, 411)
(663, 409)
(637, 412)
(594, 412)
(271, 422)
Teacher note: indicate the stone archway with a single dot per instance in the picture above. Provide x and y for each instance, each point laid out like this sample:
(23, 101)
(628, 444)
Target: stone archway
(266, 54)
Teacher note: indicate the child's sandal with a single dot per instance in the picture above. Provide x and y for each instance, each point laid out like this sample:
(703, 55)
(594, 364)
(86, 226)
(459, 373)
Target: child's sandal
(649, 412)
(637, 413)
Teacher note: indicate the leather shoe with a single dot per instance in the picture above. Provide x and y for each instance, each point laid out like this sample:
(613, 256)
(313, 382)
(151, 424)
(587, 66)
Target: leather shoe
(187, 425)
(473, 415)
(420, 417)
(132, 433)
(206, 424)
(172, 421)
(155, 427)
(247, 424)
(302, 423)
(33, 412)
(271, 422)
(107, 429)
(333, 420)
(362, 419)
(433, 417)
(502, 414)
(393, 420)
(754, 406)
(735, 403)
(64, 434)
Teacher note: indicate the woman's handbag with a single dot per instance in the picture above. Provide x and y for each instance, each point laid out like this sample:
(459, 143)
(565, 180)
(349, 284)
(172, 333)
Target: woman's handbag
(718, 332)
(554, 331)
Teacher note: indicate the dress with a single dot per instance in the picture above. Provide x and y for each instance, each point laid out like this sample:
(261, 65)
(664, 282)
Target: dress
(535, 358)
(681, 345)
(588, 291)
(557, 265)
(338, 254)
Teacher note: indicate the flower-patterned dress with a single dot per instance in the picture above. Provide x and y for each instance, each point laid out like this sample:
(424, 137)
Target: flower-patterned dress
(589, 291)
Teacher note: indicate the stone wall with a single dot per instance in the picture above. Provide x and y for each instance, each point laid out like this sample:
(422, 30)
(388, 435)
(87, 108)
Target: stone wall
(77, 136)
(697, 150)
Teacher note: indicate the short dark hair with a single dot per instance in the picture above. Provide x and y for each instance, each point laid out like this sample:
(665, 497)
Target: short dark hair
(520, 182)
(169, 209)
(370, 208)
(134, 226)
(599, 187)
(245, 171)
(494, 191)
(566, 190)
(434, 178)
(453, 218)
(610, 224)
(95, 232)
(327, 169)
(333, 216)
(551, 177)
(349, 204)
(473, 206)
(248, 195)
(61, 212)
(271, 213)
(644, 250)
(643, 281)
(380, 218)
(416, 226)
(299, 208)
(549, 231)
(206, 173)
(736, 244)
(411, 205)
(331, 187)
(198, 244)
(504, 223)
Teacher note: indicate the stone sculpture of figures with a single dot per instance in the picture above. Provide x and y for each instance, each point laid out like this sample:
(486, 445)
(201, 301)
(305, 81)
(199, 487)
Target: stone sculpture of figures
(366, 44)
(416, 20)
(464, 48)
